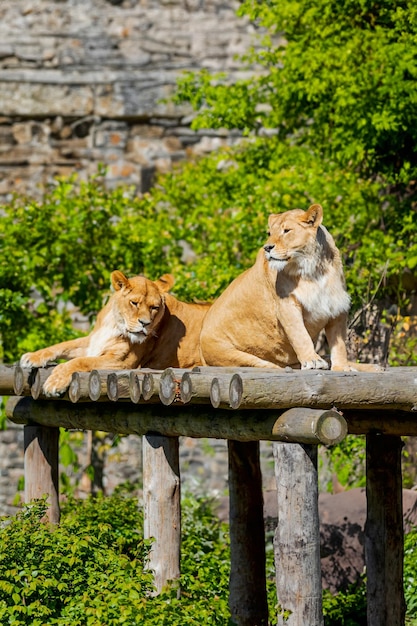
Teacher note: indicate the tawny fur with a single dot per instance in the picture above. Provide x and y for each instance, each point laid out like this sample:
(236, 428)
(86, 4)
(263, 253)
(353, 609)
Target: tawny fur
(272, 314)
(142, 325)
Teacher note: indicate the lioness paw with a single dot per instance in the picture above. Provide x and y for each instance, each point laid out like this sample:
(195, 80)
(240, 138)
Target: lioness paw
(315, 364)
(56, 384)
(34, 359)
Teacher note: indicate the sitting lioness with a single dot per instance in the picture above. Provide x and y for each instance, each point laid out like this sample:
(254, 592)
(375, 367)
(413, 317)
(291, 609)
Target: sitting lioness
(141, 325)
(272, 314)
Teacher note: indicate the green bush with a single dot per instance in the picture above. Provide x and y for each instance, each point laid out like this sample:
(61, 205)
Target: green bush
(90, 570)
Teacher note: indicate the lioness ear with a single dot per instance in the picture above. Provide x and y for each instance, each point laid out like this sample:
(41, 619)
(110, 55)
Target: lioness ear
(165, 282)
(118, 280)
(272, 218)
(313, 215)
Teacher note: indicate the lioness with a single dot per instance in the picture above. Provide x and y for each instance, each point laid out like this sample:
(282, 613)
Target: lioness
(271, 315)
(141, 325)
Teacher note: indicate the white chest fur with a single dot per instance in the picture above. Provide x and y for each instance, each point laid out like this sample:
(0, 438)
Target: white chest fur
(100, 338)
(324, 298)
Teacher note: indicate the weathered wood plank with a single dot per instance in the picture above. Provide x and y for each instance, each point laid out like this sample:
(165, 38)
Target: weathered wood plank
(162, 511)
(297, 536)
(310, 426)
(41, 467)
(323, 389)
(248, 599)
(384, 534)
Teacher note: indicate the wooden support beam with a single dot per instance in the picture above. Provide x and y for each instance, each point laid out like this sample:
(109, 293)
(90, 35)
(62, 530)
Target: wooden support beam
(297, 536)
(248, 599)
(41, 467)
(162, 506)
(307, 425)
(384, 534)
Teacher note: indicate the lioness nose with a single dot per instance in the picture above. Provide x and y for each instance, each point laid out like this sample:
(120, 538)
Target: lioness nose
(268, 247)
(145, 322)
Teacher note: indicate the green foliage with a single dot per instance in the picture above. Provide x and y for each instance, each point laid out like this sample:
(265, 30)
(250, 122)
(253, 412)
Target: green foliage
(336, 75)
(91, 570)
(347, 608)
(347, 461)
(410, 574)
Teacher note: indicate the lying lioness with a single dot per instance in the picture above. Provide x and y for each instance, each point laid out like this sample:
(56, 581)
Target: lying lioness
(141, 325)
(272, 314)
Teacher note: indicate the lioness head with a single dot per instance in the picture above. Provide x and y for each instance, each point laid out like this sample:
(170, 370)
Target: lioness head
(139, 304)
(292, 237)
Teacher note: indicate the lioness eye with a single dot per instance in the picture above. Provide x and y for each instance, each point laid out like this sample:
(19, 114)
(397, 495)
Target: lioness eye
(134, 303)
(155, 308)
(269, 233)
(287, 230)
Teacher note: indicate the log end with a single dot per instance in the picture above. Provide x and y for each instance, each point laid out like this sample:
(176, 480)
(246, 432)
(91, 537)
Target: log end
(236, 391)
(74, 390)
(148, 386)
(134, 387)
(112, 387)
(331, 427)
(168, 387)
(94, 385)
(215, 393)
(186, 388)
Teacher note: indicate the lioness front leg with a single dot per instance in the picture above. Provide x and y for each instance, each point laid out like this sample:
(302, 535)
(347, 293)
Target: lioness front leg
(336, 338)
(291, 319)
(64, 350)
(60, 379)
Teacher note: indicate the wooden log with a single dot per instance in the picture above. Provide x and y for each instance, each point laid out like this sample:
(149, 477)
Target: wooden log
(97, 385)
(297, 536)
(150, 386)
(7, 380)
(40, 376)
(326, 427)
(134, 387)
(384, 535)
(219, 391)
(401, 423)
(169, 385)
(79, 389)
(41, 467)
(194, 387)
(162, 511)
(118, 385)
(248, 598)
(326, 389)
(23, 380)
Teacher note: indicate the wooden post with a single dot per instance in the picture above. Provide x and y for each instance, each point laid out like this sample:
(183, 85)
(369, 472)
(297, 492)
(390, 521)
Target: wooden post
(384, 534)
(297, 536)
(41, 467)
(162, 506)
(248, 600)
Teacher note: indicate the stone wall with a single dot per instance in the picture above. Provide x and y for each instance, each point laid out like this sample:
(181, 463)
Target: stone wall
(82, 83)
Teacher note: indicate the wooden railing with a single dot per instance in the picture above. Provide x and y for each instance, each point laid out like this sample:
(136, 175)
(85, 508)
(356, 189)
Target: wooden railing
(296, 409)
